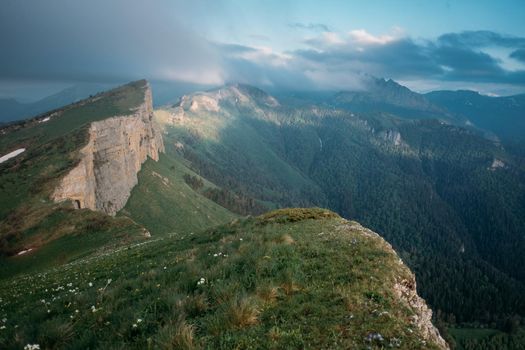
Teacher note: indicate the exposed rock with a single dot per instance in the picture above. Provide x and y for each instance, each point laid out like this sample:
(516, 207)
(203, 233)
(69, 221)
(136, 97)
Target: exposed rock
(496, 163)
(405, 289)
(422, 319)
(392, 136)
(110, 161)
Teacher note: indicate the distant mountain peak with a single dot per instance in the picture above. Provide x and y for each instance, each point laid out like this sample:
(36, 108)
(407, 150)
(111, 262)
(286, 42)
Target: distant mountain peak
(381, 92)
(234, 94)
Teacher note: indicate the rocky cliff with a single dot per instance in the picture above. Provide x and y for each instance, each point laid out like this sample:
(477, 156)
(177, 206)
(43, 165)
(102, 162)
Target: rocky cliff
(111, 159)
(403, 287)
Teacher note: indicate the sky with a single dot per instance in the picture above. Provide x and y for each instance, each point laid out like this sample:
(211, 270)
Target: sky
(286, 44)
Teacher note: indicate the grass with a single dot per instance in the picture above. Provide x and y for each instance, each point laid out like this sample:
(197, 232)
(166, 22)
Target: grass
(64, 235)
(462, 334)
(164, 203)
(466, 338)
(316, 281)
(231, 146)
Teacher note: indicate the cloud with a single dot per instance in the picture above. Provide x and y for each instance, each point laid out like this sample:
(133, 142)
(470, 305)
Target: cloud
(103, 41)
(453, 57)
(122, 40)
(259, 37)
(317, 27)
(480, 38)
(519, 55)
(361, 36)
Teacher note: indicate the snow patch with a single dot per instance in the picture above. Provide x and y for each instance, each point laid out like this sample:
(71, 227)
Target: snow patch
(24, 251)
(11, 155)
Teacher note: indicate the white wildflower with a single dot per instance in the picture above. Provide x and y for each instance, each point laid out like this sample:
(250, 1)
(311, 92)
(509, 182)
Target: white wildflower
(90, 284)
(201, 281)
(135, 325)
(32, 347)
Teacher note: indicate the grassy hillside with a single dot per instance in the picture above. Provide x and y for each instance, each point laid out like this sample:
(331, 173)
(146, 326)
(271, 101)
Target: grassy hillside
(164, 203)
(28, 218)
(300, 278)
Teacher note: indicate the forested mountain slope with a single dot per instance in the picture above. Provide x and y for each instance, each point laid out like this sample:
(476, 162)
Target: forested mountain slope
(449, 200)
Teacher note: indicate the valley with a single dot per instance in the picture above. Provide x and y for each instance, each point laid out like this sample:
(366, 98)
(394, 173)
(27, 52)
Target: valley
(194, 177)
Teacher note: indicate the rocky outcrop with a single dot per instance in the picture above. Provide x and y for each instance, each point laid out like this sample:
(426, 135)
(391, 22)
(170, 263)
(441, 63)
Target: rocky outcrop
(110, 161)
(404, 288)
(422, 318)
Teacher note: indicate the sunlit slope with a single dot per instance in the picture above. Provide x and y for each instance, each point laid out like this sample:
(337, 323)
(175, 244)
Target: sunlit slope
(164, 203)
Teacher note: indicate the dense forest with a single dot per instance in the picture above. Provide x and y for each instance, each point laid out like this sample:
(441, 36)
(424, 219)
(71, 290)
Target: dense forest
(450, 201)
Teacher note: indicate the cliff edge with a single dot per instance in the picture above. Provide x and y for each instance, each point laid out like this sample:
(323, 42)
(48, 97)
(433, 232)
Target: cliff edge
(111, 159)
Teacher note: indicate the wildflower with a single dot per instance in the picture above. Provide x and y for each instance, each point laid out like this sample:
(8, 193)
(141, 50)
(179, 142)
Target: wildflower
(135, 325)
(32, 347)
(3, 327)
(90, 284)
(76, 311)
(139, 320)
(240, 239)
(201, 281)
(93, 308)
(165, 267)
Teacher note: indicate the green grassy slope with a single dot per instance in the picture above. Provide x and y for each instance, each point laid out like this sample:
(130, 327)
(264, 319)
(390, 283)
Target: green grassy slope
(164, 203)
(295, 279)
(235, 150)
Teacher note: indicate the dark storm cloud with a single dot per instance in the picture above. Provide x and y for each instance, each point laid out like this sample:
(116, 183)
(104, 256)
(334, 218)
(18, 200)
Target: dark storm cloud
(120, 40)
(452, 57)
(518, 55)
(96, 40)
(480, 38)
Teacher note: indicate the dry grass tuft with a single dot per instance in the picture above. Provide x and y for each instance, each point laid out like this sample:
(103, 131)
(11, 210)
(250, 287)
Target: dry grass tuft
(243, 312)
(268, 294)
(180, 336)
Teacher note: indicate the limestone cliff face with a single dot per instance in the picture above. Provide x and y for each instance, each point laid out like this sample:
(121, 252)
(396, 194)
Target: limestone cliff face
(110, 161)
